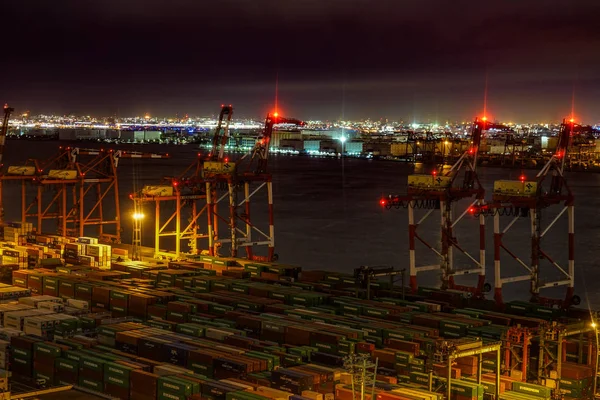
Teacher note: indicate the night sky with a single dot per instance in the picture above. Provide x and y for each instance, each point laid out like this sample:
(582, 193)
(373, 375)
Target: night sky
(422, 60)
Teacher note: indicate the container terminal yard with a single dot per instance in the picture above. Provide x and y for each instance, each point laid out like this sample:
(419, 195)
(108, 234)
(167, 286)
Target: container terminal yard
(81, 310)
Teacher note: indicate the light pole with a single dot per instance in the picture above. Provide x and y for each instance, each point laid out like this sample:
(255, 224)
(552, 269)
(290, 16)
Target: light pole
(596, 356)
(137, 236)
(342, 140)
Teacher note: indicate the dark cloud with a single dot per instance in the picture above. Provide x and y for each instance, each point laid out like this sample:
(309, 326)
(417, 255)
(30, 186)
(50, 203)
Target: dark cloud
(410, 59)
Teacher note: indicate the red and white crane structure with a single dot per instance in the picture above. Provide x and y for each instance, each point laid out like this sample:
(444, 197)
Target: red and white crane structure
(442, 191)
(249, 175)
(531, 199)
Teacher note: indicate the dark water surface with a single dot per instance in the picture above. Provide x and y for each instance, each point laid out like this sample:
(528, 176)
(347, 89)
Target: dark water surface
(327, 214)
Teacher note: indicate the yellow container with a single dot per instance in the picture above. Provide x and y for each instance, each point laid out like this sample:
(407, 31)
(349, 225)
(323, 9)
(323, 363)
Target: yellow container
(158, 191)
(23, 170)
(515, 188)
(64, 174)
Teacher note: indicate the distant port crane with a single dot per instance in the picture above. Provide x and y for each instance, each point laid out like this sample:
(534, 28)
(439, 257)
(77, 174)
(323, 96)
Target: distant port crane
(440, 192)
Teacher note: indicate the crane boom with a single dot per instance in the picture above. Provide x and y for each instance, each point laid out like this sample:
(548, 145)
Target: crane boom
(7, 111)
(469, 156)
(220, 140)
(261, 148)
(557, 161)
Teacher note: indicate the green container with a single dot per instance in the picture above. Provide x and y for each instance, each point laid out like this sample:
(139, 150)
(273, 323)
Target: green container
(116, 380)
(159, 324)
(66, 364)
(573, 384)
(50, 281)
(419, 378)
(519, 307)
(573, 392)
(404, 356)
(46, 349)
(168, 395)
(466, 389)
(91, 384)
(190, 329)
(532, 389)
(119, 309)
(177, 315)
(243, 305)
(92, 363)
(416, 368)
(201, 369)
(347, 346)
(23, 354)
(488, 387)
(115, 294)
(326, 347)
(351, 309)
(172, 385)
(73, 355)
(123, 371)
(378, 342)
(454, 326)
(22, 361)
(220, 309)
(83, 288)
(375, 312)
(42, 375)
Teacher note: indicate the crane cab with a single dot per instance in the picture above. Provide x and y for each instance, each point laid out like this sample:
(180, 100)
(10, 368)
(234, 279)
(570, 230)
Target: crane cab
(218, 168)
(21, 170)
(421, 182)
(63, 174)
(505, 189)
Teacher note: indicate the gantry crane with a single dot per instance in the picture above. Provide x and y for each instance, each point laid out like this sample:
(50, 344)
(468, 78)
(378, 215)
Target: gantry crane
(530, 199)
(442, 191)
(224, 179)
(74, 192)
(188, 191)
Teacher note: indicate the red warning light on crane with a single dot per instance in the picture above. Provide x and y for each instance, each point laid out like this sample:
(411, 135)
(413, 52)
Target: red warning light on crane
(434, 173)
(522, 178)
(383, 202)
(226, 160)
(472, 210)
(276, 114)
(484, 118)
